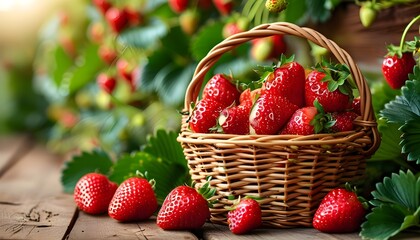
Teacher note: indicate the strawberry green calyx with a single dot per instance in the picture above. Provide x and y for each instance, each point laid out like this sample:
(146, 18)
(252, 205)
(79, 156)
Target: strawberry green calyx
(207, 191)
(322, 121)
(337, 76)
(145, 175)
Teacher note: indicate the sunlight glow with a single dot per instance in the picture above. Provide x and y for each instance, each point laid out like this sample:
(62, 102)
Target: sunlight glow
(11, 5)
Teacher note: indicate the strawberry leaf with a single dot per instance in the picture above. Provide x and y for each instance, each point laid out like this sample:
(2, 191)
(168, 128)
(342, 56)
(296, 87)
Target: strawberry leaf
(411, 140)
(163, 160)
(79, 165)
(407, 106)
(389, 150)
(145, 36)
(206, 39)
(156, 168)
(396, 206)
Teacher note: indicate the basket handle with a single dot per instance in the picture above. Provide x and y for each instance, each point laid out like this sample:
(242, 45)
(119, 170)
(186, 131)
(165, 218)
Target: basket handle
(266, 30)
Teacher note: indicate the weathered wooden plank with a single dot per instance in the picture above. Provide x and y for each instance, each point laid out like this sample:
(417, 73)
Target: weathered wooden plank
(34, 177)
(44, 219)
(104, 227)
(32, 205)
(221, 232)
(12, 148)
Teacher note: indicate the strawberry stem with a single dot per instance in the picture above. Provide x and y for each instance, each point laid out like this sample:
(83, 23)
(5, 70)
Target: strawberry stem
(406, 31)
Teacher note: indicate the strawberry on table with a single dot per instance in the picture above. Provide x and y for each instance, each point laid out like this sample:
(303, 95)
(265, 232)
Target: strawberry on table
(340, 211)
(330, 84)
(185, 208)
(245, 216)
(93, 192)
(134, 200)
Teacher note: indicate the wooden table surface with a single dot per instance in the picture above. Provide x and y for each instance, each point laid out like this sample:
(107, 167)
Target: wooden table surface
(33, 206)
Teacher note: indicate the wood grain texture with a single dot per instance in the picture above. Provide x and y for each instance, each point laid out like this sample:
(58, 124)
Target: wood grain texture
(12, 148)
(221, 232)
(104, 227)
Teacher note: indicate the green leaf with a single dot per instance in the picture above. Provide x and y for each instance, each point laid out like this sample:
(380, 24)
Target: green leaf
(396, 206)
(167, 175)
(401, 189)
(145, 36)
(83, 72)
(411, 140)
(382, 223)
(79, 165)
(208, 37)
(295, 11)
(382, 93)
(62, 63)
(155, 63)
(407, 106)
(390, 149)
(164, 145)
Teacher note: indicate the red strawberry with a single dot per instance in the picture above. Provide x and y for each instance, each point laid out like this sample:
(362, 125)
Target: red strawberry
(220, 89)
(117, 19)
(308, 120)
(288, 81)
(107, 54)
(134, 200)
(233, 27)
(396, 69)
(225, 7)
(178, 6)
(330, 85)
(339, 212)
(102, 5)
(245, 217)
(106, 82)
(355, 106)
(183, 209)
(268, 48)
(269, 114)
(125, 70)
(134, 17)
(343, 121)
(93, 192)
(204, 116)
(235, 119)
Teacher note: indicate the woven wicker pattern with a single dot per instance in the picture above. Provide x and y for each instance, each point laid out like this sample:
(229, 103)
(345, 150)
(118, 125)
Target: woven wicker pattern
(290, 173)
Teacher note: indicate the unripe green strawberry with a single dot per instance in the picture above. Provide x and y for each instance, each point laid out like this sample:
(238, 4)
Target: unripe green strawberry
(367, 14)
(276, 6)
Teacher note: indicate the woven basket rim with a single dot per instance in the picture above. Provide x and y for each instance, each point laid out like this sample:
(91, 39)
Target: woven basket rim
(366, 122)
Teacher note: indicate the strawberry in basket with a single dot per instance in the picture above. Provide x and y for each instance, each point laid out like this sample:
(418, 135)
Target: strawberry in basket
(218, 94)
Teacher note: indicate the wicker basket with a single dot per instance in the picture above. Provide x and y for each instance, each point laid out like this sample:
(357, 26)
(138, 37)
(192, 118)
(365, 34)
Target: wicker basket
(290, 173)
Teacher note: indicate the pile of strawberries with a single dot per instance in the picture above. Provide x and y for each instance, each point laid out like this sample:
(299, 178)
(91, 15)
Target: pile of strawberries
(184, 208)
(288, 100)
